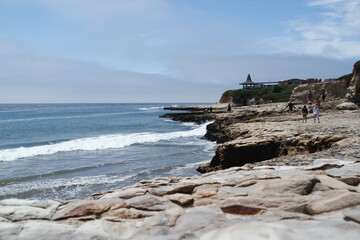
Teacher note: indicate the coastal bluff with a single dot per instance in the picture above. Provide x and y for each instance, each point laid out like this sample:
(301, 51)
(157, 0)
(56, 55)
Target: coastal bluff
(305, 185)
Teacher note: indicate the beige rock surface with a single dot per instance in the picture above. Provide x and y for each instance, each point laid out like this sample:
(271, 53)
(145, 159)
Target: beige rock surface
(307, 189)
(257, 202)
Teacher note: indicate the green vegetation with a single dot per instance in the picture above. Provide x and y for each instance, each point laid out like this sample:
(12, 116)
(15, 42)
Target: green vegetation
(313, 80)
(279, 93)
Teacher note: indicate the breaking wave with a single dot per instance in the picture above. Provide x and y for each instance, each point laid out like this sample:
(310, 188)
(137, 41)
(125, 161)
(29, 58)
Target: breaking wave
(103, 142)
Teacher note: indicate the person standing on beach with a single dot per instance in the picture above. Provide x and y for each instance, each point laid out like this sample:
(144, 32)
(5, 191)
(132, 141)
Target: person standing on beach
(316, 113)
(229, 107)
(304, 112)
(310, 96)
(323, 95)
(291, 106)
(310, 107)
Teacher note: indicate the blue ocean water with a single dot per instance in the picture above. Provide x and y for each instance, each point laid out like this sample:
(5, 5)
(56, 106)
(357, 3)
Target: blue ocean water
(68, 151)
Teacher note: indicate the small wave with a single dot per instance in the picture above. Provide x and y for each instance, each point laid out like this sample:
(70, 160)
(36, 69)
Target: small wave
(34, 188)
(150, 108)
(65, 117)
(97, 143)
(55, 173)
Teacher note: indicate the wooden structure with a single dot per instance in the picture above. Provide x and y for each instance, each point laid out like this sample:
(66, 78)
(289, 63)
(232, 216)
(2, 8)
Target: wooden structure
(248, 83)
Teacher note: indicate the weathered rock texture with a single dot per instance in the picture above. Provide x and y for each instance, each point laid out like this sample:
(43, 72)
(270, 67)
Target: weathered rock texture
(268, 132)
(335, 93)
(316, 201)
(354, 87)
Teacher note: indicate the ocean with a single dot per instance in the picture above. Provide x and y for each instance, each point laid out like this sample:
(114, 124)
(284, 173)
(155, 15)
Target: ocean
(67, 151)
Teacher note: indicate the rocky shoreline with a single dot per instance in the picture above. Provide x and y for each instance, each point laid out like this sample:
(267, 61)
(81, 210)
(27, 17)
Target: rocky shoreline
(309, 190)
(272, 177)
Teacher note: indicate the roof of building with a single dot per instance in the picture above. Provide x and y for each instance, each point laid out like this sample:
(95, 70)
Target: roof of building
(248, 81)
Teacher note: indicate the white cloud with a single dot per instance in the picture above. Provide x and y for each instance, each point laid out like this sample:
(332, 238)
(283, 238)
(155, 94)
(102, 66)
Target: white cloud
(26, 77)
(334, 33)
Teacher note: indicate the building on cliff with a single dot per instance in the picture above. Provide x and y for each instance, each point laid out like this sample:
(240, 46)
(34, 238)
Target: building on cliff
(250, 84)
(293, 81)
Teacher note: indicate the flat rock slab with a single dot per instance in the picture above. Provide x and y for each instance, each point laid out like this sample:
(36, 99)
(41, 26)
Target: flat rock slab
(250, 202)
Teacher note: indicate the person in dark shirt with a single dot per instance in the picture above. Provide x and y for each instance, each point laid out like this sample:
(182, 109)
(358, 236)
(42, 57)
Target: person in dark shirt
(304, 112)
(291, 106)
(310, 96)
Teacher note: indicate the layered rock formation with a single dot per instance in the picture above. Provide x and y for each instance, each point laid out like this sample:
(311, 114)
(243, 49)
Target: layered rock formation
(336, 92)
(354, 87)
(319, 201)
(271, 133)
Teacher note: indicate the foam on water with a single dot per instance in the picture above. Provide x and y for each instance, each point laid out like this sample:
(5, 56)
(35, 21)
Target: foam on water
(74, 183)
(115, 141)
(150, 108)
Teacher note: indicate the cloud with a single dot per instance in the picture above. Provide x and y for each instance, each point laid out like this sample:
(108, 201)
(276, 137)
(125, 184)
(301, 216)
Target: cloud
(335, 34)
(26, 77)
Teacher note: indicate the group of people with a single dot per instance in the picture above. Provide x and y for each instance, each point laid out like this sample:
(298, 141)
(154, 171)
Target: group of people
(308, 109)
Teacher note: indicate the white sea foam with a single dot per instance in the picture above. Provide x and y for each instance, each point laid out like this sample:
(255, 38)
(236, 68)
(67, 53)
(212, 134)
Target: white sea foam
(189, 124)
(68, 183)
(150, 108)
(115, 141)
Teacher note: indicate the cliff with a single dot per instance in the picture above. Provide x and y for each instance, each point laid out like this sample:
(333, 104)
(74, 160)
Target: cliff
(280, 93)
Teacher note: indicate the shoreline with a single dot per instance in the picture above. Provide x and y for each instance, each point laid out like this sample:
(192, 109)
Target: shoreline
(309, 194)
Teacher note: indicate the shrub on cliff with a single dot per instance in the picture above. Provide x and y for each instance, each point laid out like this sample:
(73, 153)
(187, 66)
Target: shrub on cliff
(279, 93)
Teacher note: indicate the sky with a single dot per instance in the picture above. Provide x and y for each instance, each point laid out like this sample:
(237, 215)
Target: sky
(79, 51)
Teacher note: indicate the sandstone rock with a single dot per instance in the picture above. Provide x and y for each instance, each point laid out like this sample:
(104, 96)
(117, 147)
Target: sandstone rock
(97, 229)
(86, 207)
(167, 217)
(353, 214)
(180, 198)
(335, 184)
(44, 230)
(125, 193)
(203, 217)
(239, 209)
(121, 214)
(347, 106)
(285, 230)
(348, 174)
(150, 202)
(253, 231)
(226, 191)
(9, 231)
(205, 190)
(17, 213)
(18, 209)
(332, 201)
(176, 188)
(31, 203)
(353, 91)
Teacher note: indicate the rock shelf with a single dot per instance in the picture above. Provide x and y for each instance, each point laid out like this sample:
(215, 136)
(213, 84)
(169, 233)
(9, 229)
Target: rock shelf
(317, 201)
(279, 178)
